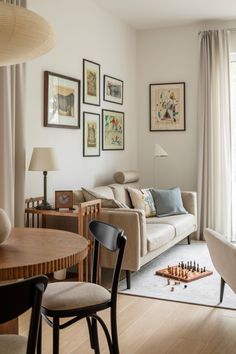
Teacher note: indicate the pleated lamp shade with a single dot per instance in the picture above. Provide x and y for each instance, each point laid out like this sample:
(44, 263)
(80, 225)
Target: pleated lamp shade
(24, 35)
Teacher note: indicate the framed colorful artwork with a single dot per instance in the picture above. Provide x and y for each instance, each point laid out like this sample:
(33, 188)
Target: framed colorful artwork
(167, 106)
(91, 134)
(61, 101)
(113, 90)
(91, 82)
(112, 130)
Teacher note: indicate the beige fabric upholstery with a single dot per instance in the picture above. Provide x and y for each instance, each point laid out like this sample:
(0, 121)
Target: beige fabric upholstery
(181, 223)
(190, 202)
(74, 295)
(5, 226)
(105, 194)
(126, 176)
(159, 235)
(223, 255)
(121, 192)
(78, 197)
(12, 344)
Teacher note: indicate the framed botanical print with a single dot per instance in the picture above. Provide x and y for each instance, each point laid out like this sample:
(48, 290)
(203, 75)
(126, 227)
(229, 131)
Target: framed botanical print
(61, 101)
(112, 130)
(91, 82)
(113, 90)
(91, 134)
(167, 106)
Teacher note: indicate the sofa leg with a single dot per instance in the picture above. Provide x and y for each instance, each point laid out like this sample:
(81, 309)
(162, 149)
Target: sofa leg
(222, 288)
(189, 240)
(128, 279)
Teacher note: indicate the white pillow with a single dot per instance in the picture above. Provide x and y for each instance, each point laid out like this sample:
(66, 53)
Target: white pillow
(142, 199)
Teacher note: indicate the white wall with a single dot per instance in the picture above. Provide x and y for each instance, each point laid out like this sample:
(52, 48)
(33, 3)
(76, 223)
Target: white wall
(83, 31)
(170, 55)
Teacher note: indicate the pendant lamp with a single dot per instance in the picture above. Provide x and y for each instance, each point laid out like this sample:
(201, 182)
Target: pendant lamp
(24, 35)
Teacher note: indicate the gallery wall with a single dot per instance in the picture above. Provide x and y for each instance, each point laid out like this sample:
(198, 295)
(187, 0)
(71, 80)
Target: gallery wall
(166, 56)
(83, 30)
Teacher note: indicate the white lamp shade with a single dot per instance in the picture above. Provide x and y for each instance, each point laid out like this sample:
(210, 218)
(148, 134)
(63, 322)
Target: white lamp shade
(43, 159)
(24, 35)
(159, 151)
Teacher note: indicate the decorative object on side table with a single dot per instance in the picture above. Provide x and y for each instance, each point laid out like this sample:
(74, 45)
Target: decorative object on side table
(112, 130)
(91, 134)
(91, 82)
(167, 107)
(43, 159)
(5, 226)
(113, 90)
(61, 101)
(64, 199)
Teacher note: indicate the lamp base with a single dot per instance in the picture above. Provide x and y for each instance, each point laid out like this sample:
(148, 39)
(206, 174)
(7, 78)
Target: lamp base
(44, 206)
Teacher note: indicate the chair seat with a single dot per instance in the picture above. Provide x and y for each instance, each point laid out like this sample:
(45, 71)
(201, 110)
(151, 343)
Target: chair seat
(74, 295)
(12, 344)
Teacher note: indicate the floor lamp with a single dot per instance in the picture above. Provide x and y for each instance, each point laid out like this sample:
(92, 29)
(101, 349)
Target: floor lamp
(158, 152)
(43, 159)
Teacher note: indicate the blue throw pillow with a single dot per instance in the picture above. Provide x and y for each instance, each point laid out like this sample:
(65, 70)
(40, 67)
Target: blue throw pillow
(168, 201)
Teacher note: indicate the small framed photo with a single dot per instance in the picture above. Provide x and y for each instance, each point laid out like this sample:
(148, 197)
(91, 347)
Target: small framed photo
(167, 106)
(91, 134)
(112, 130)
(64, 199)
(61, 101)
(91, 82)
(113, 90)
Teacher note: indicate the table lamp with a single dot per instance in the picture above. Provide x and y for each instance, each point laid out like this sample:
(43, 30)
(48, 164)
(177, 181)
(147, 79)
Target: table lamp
(43, 159)
(158, 152)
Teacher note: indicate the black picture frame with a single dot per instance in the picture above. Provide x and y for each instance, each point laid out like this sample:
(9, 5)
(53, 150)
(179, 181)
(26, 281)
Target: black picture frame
(91, 82)
(167, 107)
(92, 148)
(113, 89)
(61, 101)
(113, 130)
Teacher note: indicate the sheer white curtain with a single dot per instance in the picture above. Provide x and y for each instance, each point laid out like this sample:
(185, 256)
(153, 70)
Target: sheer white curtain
(12, 144)
(214, 153)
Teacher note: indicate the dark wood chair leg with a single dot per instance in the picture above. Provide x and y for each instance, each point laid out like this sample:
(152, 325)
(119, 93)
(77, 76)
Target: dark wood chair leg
(114, 334)
(128, 279)
(222, 288)
(189, 240)
(95, 336)
(55, 335)
(39, 342)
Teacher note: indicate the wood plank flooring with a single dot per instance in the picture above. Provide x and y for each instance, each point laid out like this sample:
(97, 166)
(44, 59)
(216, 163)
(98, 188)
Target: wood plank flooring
(150, 326)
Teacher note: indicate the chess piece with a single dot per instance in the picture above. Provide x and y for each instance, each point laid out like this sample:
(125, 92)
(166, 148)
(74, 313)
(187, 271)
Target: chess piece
(197, 267)
(185, 286)
(204, 269)
(172, 289)
(168, 281)
(168, 268)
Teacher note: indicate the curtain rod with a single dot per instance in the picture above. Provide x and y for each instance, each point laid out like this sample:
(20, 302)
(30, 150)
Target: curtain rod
(227, 29)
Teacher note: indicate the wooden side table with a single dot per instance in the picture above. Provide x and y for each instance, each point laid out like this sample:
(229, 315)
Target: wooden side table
(84, 213)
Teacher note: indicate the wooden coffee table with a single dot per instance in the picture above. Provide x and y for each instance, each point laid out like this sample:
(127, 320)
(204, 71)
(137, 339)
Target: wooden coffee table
(32, 251)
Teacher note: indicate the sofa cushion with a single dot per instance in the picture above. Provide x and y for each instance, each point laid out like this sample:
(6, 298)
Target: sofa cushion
(126, 176)
(142, 199)
(121, 192)
(168, 201)
(105, 194)
(158, 235)
(181, 223)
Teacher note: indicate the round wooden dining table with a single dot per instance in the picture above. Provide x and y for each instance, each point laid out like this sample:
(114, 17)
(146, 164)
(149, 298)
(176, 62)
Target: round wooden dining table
(32, 251)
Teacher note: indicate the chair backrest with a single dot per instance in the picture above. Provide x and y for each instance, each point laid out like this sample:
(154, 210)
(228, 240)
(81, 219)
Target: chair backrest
(114, 240)
(223, 255)
(18, 297)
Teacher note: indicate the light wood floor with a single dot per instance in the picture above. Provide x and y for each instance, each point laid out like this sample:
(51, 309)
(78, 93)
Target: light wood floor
(149, 326)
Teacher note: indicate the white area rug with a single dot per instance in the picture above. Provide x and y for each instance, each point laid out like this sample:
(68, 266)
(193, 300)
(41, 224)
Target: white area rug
(205, 291)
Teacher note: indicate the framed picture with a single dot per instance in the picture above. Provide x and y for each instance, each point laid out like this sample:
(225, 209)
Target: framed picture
(113, 90)
(61, 101)
(64, 199)
(91, 82)
(91, 134)
(167, 107)
(112, 130)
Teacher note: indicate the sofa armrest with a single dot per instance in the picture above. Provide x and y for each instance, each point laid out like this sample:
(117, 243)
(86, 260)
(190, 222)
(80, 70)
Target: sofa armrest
(190, 203)
(133, 222)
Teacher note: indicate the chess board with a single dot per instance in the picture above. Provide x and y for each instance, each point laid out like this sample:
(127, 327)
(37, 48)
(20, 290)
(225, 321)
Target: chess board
(184, 272)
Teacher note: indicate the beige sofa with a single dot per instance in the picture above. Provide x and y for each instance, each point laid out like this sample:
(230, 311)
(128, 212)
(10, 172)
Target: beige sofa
(146, 237)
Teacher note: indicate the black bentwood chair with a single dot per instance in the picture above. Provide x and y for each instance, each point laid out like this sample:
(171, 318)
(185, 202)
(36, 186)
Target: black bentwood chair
(82, 299)
(16, 298)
